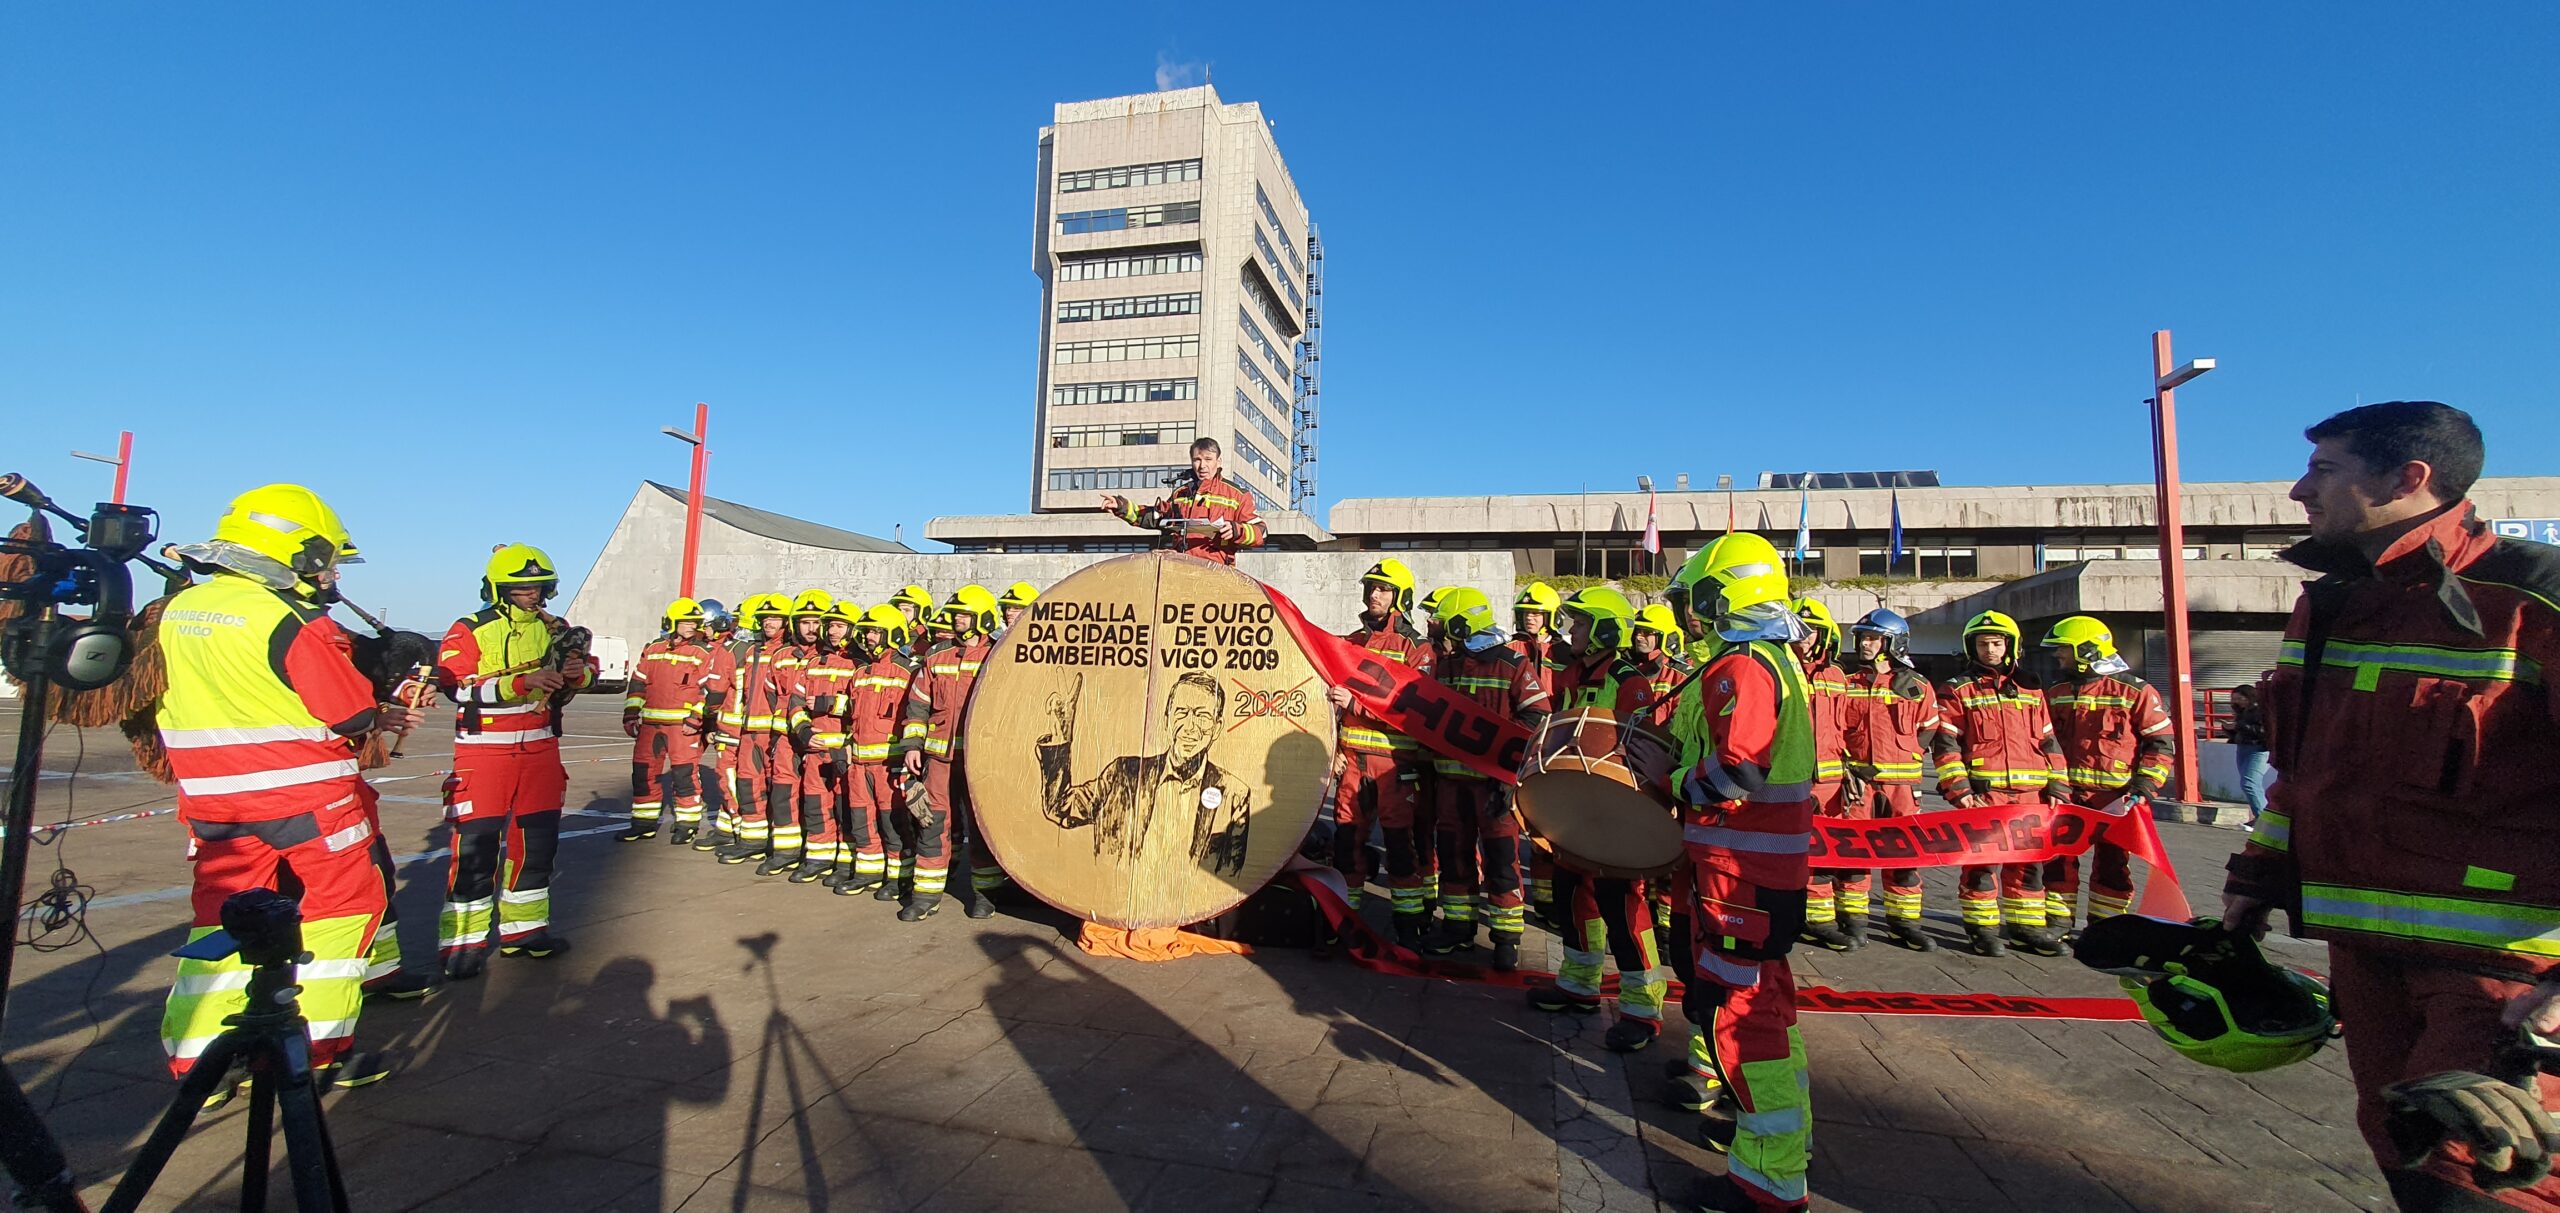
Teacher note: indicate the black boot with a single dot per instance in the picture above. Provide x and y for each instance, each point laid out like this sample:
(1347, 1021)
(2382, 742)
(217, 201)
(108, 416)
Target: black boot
(1506, 951)
(778, 862)
(741, 851)
(1691, 1090)
(1855, 927)
(640, 831)
(888, 890)
(1453, 936)
(1719, 1194)
(463, 964)
(352, 1070)
(540, 945)
(1413, 931)
(1630, 1035)
(405, 984)
(980, 905)
(920, 907)
(1906, 932)
(849, 883)
(1828, 935)
(683, 834)
(1548, 996)
(1985, 941)
(2035, 939)
(712, 839)
(812, 870)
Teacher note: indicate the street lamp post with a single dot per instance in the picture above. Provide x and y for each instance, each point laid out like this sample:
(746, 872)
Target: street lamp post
(699, 440)
(123, 461)
(2183, 784)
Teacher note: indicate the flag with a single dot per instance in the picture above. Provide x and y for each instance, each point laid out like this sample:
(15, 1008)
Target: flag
(1804, 506)
(1652, 531)
(1893, 552)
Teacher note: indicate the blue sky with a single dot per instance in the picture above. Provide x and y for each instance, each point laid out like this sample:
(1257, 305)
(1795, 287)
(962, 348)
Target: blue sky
(455, 265)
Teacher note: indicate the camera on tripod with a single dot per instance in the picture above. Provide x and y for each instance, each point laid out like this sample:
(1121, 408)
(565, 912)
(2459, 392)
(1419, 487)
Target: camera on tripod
(41, 643)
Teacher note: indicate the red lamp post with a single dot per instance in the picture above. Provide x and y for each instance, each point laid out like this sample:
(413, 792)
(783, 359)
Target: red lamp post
(2183, 784)
(123, 461)
(699, 439)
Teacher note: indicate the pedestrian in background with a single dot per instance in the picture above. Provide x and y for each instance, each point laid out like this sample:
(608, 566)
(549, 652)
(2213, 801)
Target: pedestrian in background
(2248, 732)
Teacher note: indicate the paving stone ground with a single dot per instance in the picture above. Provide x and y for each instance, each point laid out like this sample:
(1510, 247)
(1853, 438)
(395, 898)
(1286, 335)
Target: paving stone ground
(721, 1042)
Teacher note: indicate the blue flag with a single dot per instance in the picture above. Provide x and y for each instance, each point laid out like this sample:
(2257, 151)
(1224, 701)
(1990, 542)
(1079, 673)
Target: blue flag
(1893, 555)
(1804, 501)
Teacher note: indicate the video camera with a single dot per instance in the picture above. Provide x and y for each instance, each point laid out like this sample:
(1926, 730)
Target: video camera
(40, 643)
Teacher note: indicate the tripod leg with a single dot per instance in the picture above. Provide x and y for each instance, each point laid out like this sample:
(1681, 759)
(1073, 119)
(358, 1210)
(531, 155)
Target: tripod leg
(31, 1156)
(260, 1147)
(307, 1152)
(201, 1081)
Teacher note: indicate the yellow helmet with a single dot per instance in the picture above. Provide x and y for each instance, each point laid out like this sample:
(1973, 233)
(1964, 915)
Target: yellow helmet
(1611, 615)
(760, 607)
(975, 604)
(288, 524)
(812, 602)
(1539, 596)
(1463, 611)
(846, 611)
(891, 621)
(1996, 624)
(680, 611)
(1658, 620)
(1737, 571)
(2084, 640)
(1392, 572)
(1819, 618)
(518, 564)
(914, 596)
(1019, 594)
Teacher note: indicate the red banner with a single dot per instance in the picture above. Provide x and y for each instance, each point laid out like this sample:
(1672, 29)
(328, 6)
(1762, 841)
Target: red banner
(1411, 703)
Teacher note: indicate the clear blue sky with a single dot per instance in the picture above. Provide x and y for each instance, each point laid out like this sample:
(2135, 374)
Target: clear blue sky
(455, 264)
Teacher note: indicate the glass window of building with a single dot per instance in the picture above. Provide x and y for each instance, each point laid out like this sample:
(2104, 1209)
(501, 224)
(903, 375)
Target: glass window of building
(1074, 480)
(1123, 176)
(1139, 265)
(1136, 433)
(1133, 349)
(1123, 218)
(1127, 306)
(1135, 391)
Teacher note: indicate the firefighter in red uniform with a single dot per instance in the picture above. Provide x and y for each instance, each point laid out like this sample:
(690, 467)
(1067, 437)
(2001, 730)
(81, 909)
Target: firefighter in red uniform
(1377, 770)
(1478, 834)
(719, 708)
(790, 809)
(2117, 743)
(1016, 599)
(1835, 910)
(1608, 918)
(1533, 616)
(1207, 515)
(1744, 727)
(1890, 720)
(931, 740)
(662, 711)
(262, 718)
(507, 783)
(2416, 826)
(719, 628)
(879, 706)
(756, 721)
(1995, 746)
(819, 728)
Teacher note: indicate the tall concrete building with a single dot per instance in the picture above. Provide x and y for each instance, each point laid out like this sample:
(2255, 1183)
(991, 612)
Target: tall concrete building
(1181, 289)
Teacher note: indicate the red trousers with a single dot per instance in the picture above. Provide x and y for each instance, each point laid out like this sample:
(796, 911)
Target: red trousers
(1379, 791)
(822, 775)
(663, 761)
(1479, 844)
(1901, 885)
(947, 823)
(870, 824)
(1829, 894)
(1746, 1006)
(764, 780)
(2110, 868)
(324, 860)
(2407, 1019)
(504, 803)
(1989, 893)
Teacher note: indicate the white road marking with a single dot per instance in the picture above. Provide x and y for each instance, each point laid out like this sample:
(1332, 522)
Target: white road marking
(173, 894)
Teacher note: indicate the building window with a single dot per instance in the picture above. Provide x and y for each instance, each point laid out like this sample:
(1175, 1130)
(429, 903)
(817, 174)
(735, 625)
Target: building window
(1919, 562)
(1077, 480)
(1127, 306)
(1140, 433)
(1270, 307)
(1133, 349)
(1245, 409)
(1163, 172)
(1251, 456)
(1282, 228)
(1081, 269)
(1253, 332)
(1122, 218)
(1135, 391)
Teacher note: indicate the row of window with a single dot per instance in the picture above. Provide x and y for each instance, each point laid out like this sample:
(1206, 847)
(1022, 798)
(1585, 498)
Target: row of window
(2151, 551)
(1252, 331)
(1071, 311)
(1139, 265)
(1145, 433)
(1282, 228)
(1251, 456)
(1087, 545)
(1131, 391)
(1270, 307)
(1111, 480)
(1126, 175)
(1122, 218)
(1130, 349)
(1246, 409)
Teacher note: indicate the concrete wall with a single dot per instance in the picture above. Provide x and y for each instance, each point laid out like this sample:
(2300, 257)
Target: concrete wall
(636, 572)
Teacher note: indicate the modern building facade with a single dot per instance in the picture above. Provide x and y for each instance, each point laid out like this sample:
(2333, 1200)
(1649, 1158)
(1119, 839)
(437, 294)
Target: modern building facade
(1180, 286)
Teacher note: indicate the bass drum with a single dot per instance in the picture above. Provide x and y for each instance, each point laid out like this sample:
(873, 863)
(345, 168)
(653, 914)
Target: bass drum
(1597, 793)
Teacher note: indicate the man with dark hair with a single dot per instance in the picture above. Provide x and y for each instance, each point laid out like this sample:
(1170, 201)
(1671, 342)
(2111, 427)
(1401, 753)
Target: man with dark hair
(2416, 826)
(1143, 805)
(1206, 515)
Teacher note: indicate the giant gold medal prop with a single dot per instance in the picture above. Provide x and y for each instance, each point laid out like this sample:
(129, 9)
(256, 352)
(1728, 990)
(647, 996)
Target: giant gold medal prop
(1148, 744)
